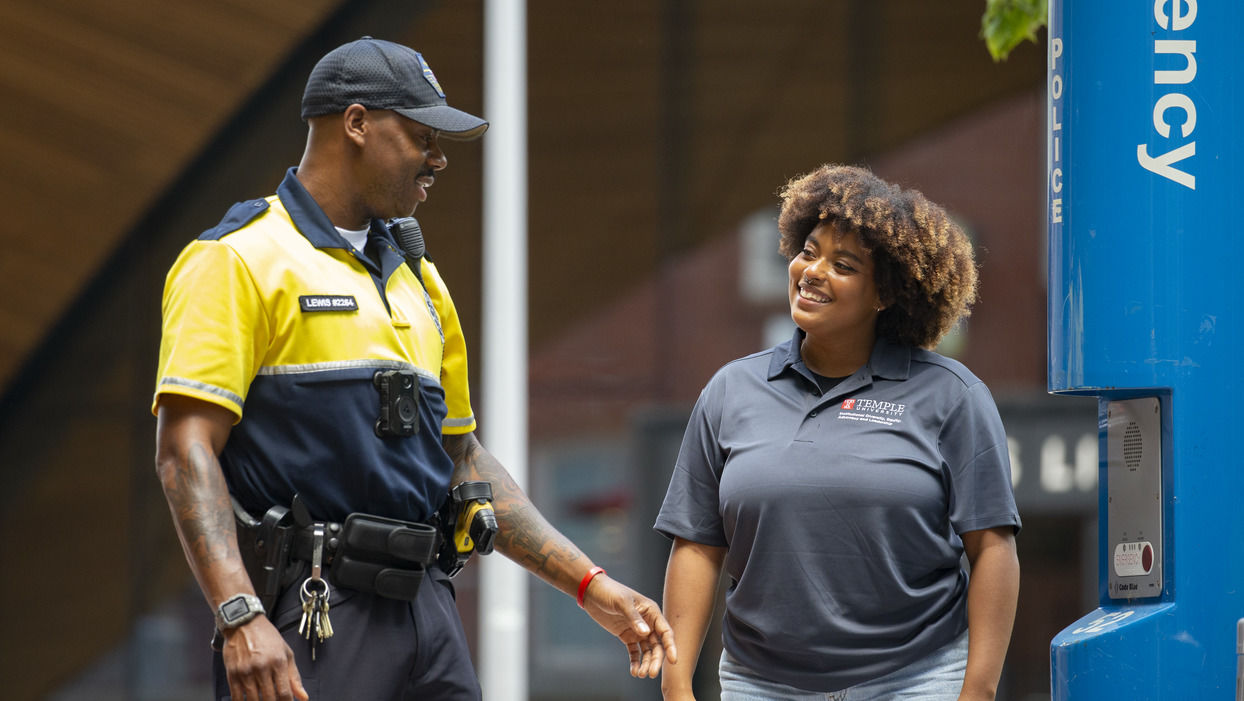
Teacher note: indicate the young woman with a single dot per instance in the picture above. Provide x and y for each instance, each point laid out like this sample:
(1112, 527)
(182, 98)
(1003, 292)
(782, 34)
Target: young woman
(841, 476)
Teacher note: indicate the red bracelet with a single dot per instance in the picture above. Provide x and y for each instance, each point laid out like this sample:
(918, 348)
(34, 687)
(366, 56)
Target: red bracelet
(587, 579)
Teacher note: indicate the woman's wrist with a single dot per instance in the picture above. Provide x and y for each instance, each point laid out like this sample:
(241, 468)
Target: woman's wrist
(973, 689)
(674, 687)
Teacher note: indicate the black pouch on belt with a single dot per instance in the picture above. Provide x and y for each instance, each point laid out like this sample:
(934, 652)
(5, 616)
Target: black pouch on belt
(382, 555)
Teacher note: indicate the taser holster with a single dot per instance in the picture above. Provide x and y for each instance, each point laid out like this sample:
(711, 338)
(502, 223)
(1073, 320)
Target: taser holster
(468, 525)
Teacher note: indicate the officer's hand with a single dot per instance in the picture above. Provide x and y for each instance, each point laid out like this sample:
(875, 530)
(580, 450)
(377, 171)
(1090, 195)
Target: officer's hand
(259, 665)
(636, 620)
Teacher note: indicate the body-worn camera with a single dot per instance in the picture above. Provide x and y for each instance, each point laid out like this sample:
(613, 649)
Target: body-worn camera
(399, 403)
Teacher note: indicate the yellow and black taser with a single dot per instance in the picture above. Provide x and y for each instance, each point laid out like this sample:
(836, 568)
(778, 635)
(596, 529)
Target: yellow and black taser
(469, 510)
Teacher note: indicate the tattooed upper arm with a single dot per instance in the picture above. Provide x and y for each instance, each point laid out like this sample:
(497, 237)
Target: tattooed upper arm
(472, 461)
(463, 450)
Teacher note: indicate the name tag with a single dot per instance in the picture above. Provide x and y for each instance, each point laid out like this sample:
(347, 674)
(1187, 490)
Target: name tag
(328, 303)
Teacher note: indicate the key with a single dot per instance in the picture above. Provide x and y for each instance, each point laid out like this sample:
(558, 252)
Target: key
(313, 622)
(303, 628)
(326, 627)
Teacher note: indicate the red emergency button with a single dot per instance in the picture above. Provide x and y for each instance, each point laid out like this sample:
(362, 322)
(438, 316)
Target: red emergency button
(1133, 559)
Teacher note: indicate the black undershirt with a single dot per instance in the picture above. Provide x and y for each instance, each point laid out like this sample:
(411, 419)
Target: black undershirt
(825, 384)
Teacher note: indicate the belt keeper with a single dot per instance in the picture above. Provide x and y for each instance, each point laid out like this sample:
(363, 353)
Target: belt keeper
(317, 551)
(587, 579)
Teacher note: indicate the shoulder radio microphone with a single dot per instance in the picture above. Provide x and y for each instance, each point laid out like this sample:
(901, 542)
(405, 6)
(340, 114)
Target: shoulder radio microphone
(410, 237)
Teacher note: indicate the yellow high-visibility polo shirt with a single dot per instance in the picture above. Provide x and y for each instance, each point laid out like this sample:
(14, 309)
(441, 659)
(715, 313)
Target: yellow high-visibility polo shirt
(273, 316)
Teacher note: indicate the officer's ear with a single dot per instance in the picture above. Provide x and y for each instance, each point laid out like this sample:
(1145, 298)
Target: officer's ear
(354, 123)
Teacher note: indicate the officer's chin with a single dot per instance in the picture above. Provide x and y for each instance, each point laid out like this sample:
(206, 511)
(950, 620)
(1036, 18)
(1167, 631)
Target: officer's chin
(403, 210)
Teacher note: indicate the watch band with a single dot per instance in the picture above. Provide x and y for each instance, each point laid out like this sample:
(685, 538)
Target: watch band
(238, 609)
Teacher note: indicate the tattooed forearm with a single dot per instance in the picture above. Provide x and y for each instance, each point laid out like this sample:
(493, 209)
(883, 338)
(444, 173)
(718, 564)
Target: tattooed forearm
(525, 536)
(202, 508)
(531, 541)
(199, 502)
(189, 435)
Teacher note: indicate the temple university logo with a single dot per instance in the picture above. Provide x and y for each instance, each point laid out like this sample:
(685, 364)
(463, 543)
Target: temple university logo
(872, 411)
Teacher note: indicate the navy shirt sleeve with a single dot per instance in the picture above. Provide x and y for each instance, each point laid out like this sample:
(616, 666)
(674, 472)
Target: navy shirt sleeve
(691, 510)
(973, 445)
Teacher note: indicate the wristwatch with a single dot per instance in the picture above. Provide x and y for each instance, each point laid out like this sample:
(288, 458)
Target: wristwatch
(238, 610)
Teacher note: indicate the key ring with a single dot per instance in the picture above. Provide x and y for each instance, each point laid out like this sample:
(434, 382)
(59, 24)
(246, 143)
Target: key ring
(306, 594)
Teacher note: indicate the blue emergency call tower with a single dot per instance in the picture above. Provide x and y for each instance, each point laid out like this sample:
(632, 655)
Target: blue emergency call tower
(1146, 312)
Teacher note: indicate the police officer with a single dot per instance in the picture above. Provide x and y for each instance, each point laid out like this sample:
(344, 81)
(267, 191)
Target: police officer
(281, 325)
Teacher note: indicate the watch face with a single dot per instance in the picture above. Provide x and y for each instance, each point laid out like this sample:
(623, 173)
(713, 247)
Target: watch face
(233, 609)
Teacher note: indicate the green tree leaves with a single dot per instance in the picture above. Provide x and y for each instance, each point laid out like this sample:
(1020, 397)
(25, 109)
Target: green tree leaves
(1006, 23)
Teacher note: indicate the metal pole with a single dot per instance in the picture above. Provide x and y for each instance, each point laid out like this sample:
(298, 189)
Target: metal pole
(503, 585)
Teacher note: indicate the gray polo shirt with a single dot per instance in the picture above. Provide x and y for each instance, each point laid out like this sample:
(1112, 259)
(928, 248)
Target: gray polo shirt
(841, 511)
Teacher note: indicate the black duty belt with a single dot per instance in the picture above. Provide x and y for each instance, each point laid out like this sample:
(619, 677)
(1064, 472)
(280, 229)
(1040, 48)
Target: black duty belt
(366, 553)
(372, 553)
(304, 538)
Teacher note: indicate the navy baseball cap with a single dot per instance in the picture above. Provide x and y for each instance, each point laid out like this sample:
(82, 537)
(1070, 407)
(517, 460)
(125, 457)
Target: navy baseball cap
(382, 75)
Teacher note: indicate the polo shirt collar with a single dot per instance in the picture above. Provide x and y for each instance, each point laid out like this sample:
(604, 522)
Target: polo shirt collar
(311, 220)
(306, 214)
(786, 355)
(888, 360)
(314, 224)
